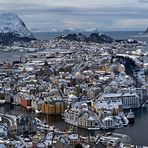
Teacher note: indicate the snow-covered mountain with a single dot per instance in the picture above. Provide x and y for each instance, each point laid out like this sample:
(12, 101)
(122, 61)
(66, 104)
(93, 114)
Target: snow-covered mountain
(93, 37)
(13, 28)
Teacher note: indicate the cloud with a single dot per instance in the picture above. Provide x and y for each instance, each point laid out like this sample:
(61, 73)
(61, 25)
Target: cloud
(131, 23)
(143, 1)
(111, 14)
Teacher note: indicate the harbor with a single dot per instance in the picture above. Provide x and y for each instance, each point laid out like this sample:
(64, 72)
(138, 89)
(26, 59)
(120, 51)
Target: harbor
(140, 120)
(88, 89)
(73, 74)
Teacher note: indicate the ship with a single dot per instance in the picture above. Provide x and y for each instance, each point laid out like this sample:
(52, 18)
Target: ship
(131, 117)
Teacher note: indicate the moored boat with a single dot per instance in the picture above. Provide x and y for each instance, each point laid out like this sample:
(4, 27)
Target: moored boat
(131, 117)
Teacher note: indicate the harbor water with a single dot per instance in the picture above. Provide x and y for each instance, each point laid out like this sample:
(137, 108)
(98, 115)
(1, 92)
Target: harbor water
(137, 131)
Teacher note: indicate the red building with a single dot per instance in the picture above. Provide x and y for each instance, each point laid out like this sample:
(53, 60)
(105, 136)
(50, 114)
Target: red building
(25, 101)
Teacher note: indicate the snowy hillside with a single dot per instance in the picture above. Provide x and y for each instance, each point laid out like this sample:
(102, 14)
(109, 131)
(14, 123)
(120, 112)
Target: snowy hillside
(12, 27)
(93, 37)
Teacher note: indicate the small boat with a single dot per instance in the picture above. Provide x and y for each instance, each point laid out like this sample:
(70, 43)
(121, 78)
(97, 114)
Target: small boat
(131, 117)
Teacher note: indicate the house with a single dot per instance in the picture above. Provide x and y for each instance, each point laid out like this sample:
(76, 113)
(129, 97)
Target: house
(26, 125)
(16, 98)
(37, 103)
(25, 100)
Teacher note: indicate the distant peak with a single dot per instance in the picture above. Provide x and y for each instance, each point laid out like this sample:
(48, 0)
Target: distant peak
(93, 37)
(146, 31)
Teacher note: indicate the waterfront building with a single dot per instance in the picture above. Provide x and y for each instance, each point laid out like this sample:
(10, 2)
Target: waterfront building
(141, 92)
(110, 113)
(113, 140)
(108, 122)
(81, 115)
(2, 98)
(16, 98)
(36, 104)
(129, 100)
(9, 98)
(25, 100)
(106, 108)
(56, 107)
(103, 115)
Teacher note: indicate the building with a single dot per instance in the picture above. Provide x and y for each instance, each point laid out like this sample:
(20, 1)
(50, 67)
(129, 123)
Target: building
(53, 107)
(105, 108)
(81, 115)
(113, 140)
(141, 92)
(26, 125)
(36, 104)
(110, 112)
(16, 98)
(129, 99)
(25, 100)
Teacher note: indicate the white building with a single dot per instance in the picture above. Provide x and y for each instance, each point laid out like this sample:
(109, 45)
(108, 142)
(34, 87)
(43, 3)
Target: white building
(110, 113)
(80, 115)
(114, 140)
(129, 100)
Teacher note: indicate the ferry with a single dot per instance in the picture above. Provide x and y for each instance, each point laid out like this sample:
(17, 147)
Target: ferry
(131, 117)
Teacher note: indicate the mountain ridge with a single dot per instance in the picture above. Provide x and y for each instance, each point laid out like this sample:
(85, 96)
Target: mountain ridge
(12, 28)
(93, 37)
(146, 31)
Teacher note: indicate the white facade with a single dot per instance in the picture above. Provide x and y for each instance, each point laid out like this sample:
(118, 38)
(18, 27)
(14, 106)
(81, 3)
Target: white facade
(129, 100)
(81, 116)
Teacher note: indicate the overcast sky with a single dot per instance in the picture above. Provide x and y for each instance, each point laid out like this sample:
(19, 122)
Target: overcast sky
(44, 15)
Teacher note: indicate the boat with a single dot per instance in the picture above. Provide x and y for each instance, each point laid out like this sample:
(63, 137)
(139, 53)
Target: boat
(131, 117)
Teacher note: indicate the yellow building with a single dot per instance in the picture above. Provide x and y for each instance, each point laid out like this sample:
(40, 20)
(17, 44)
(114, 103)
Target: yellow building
(53, 108)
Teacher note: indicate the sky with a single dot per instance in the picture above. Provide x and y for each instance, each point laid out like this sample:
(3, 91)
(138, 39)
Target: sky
(105, 15)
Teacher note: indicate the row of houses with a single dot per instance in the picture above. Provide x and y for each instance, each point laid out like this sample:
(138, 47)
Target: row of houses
(39, 105)
(103, 115)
